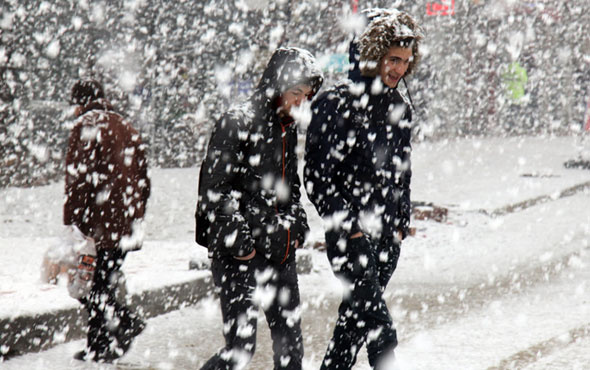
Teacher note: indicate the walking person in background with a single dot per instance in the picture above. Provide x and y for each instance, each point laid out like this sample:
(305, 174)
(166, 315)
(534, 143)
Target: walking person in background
(249, 214)
(106, 190)
(357, 174)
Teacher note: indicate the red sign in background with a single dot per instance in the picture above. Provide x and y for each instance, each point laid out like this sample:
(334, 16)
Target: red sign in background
(442, 7)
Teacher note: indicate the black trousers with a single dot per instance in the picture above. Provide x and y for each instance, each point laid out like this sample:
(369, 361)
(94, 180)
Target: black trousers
(107, 316)
(243, 287)
(365, 267)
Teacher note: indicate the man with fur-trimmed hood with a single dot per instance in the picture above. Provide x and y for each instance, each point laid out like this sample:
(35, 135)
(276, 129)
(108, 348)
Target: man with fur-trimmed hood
(357, 174)
(249, 214)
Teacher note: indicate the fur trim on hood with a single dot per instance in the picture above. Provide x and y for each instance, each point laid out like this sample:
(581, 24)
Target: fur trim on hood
(389, 28)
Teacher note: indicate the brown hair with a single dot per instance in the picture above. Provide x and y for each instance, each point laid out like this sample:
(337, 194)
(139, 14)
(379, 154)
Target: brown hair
(397, 29)
(83, 92)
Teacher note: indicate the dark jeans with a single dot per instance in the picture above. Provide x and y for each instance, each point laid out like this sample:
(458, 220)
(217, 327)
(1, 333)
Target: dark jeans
(108, 318)
(365, 267)
(235, 282)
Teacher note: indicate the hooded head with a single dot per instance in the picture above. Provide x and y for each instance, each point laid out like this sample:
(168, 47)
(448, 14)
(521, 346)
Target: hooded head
(387, 29)
(287, 68)
(84, 92)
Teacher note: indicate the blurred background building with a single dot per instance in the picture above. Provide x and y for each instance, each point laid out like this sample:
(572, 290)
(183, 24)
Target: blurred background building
(490, 67)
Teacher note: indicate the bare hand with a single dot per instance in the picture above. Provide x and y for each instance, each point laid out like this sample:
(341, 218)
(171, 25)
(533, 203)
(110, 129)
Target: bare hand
(296, 243)
(356, 235)
(248, 257)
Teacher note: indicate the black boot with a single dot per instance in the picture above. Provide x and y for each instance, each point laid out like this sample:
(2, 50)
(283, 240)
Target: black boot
(81, 356)
(105, 356)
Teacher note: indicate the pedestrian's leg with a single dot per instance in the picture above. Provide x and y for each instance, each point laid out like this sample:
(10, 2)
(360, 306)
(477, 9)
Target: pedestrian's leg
(235, 283)
(363, 314)
(354, 266)
(102, 307)
(347, 340)
(127, 324)
(386, 260)
(380, 347)
(283, 314)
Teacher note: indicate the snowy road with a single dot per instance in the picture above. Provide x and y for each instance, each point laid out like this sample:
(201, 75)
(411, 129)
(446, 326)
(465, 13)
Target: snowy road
(545, 325)
(476, 292)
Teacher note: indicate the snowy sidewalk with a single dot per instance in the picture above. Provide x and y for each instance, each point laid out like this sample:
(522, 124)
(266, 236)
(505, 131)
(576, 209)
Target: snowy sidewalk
(466, 176)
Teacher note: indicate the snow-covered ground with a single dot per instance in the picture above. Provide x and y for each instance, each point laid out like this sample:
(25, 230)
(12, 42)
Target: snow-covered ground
(482, 289)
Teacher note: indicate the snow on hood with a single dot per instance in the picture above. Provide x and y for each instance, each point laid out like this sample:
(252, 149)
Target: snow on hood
(288, 67)
(388, 28)
(380, 17)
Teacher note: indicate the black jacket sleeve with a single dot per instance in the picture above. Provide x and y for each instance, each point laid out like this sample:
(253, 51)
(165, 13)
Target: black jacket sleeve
(221, 226)
(291, 220)
(326, 147)
(297, 213)
(405, 206)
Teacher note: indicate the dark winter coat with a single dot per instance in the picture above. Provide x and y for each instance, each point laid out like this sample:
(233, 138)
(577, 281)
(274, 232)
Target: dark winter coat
(106, 184)
(358, 157)
(249, 189)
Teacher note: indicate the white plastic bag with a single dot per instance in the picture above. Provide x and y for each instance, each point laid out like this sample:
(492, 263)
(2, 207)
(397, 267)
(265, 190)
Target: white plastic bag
(60, 258)
(80, 280)
(58, 262)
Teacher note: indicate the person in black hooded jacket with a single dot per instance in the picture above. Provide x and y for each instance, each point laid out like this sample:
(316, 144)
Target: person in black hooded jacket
(249, 213)
(357, 175)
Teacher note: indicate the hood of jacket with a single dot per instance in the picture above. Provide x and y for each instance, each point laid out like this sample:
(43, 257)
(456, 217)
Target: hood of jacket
(354, 55)
(354, 74)
(286, 68)
(385, 27)
(380, 98)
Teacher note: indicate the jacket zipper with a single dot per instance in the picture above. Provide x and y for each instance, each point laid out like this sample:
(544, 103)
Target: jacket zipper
(284, 139)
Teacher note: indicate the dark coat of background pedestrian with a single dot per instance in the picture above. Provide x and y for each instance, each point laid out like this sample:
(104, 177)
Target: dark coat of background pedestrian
(107, 186)
(249, 188)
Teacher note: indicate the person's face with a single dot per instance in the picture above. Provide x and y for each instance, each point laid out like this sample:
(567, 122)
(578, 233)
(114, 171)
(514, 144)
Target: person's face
(77, 110)
(294, 97)
(394, 65)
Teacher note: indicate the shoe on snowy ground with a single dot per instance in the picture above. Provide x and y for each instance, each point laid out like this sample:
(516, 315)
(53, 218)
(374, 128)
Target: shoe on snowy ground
(124, 336)
(81, 356)
(578, 164)
(106, 357)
